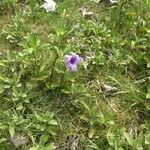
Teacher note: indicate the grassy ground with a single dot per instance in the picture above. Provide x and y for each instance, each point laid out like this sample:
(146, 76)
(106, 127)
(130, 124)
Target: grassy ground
(104, 105)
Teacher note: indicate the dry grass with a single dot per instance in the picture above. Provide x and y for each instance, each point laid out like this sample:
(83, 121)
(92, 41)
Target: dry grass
(5, 21)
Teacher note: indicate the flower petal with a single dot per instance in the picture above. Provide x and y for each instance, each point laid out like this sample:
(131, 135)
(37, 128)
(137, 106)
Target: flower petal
(72, 61)
(73, 67)
(67, 58)
(78, 59)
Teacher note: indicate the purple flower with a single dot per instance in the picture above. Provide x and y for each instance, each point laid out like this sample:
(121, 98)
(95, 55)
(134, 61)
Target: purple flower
(72, 61)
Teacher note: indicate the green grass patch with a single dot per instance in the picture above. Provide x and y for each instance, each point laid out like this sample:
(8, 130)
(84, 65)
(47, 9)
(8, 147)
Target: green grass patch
(104, 105)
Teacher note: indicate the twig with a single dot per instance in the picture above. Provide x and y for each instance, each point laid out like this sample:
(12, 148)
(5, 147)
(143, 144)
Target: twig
(141, 80)
(119, 92)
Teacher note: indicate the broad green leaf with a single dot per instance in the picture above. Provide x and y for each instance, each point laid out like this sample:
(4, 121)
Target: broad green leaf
(7, 86)
(84, 117)
(50, 147)
(41, 119)
(147, 138)
(52, 85)
(85, 106)
(66, 89)
(40, 77)
(12, 130)
(132, 44)
(50, 130)
(53, 122)
(3, 140)
(131, 58)
(44, 139)
(148, 93)
(51, 114)
(91, 133)
(24, 95)
(36, 147)
(3, 78)
(1, 90)
(20, 107)
(2, 64)
(111, 138)
(30, 50)
(129, 138)
(59, 67)
(148, 64)
(3, 127)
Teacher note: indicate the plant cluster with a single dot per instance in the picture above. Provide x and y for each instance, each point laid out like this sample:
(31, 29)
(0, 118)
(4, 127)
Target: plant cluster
(73, 81)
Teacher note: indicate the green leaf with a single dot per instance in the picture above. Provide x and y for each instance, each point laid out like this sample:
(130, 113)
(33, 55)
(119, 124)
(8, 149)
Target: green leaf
(41, 119)
(36, 147)
(3, 78)
(147, 105)
(91, 133)
(12, 130)
(3, 127)
(40, 77)
(84, 117)
(2, 64)
(51, 114)
(50, 130)
(147, 139)
(129, 138)
(30, 50)
(44, 139)
(85, 106)
(53, 122)
(148, 93)
(132, 44)
(20, 107)
(52, 85)
(59, 67)
(1, 90)
(132, 58)
(148, 64)
(50, 147)
(65, 91)
(110, 138)
(3, 140)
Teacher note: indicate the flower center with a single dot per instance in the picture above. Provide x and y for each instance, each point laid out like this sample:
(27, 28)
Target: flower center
(73, 60)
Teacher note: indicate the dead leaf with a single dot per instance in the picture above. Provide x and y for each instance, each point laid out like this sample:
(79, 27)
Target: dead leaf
(113, 2)
(96, 1)
(86, 13)
(73, 142)
(18, 140)
(108, 88)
